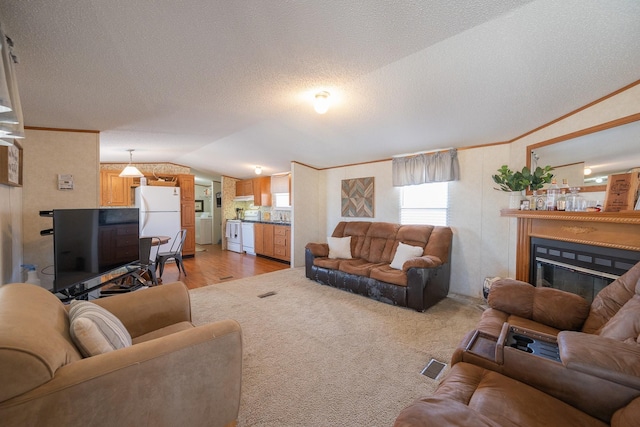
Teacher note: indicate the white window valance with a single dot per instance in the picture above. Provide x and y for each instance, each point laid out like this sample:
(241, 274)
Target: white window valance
(426, 167)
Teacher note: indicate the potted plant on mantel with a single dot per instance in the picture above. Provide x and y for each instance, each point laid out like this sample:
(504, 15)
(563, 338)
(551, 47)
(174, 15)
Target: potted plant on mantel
(517, 182)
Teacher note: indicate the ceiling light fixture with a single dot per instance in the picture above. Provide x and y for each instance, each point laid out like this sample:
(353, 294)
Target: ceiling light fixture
(258, 170)
(321, 104)
(131, 171)
(587, 171)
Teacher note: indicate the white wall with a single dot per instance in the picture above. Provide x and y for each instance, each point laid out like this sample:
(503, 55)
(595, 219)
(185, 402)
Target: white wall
(10, 234)
(386, 197)
(307, 222)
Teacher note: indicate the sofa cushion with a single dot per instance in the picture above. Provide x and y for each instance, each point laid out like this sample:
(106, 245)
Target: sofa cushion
(625, 324)
(386, 273)
(609, 300)
(325, 262)
(415, 235)
(339, 247)
(163, 332)
(95, 330)
(359, 267)
(405, 253)
(380, 242)
(357, 230)
(551, 307)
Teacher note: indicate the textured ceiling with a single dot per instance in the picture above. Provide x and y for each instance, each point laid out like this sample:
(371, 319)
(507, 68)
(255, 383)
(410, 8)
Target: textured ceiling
(222, 86)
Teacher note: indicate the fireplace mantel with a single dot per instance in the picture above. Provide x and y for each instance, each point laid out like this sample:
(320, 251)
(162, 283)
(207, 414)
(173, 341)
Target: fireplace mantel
(619, 230)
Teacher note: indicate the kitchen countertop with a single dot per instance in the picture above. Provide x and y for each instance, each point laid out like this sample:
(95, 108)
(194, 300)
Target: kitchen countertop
(267, 222)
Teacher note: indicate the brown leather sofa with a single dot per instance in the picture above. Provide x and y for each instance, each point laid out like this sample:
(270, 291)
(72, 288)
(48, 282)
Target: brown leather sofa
(570, 363)
(420, 283)
(174, 373)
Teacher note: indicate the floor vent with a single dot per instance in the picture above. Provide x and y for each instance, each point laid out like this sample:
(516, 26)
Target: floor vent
(226, 277)
(433, 369)
(266, 294)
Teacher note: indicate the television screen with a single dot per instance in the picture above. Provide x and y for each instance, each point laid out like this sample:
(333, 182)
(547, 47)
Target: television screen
(89, 243)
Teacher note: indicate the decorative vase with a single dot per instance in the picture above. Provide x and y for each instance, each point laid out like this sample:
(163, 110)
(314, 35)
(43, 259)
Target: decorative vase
(515, 198)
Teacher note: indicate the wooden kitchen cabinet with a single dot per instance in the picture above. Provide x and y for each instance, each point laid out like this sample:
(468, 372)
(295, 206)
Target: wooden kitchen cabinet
(282, 242)
(263, 235)
(188, 212)
(114, 191)
(273, 241)
(244, 187)
(262, 191)
(187, 186)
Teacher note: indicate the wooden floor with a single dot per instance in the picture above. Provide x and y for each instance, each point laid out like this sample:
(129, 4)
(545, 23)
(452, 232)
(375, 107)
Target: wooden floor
(213, 265)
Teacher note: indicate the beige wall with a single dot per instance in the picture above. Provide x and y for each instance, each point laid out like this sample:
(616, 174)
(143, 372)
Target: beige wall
(47, 154)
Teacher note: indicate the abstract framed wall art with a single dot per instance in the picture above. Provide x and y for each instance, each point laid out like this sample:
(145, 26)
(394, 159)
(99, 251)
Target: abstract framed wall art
(357, 197)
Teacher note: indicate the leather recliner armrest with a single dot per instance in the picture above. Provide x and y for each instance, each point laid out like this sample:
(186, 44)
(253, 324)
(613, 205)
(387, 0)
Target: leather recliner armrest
(425, 261)
(601, 357)
(318, 249)
(552, 307)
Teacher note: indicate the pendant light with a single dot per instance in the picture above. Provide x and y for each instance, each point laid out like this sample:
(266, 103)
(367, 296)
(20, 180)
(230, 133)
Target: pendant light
(131, 171)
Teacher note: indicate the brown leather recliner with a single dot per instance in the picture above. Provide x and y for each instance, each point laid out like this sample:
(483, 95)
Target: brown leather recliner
(473, 396)
(594, 380)
(174, 373)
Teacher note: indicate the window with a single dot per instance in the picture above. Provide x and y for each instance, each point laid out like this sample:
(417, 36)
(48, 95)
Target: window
(425, 204)
(281, 201)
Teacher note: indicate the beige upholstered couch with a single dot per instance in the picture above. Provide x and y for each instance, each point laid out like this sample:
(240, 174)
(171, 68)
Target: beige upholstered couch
(593, 379)
(174, 373)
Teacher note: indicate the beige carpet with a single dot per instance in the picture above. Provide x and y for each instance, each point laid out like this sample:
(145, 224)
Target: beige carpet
(319, 356)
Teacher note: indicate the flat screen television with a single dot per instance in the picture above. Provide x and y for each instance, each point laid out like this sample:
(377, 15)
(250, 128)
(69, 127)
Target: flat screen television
(91, 243)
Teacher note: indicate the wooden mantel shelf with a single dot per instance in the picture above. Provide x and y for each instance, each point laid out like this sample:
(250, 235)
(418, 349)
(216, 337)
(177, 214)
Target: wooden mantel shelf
(624, 217)
(620, 230)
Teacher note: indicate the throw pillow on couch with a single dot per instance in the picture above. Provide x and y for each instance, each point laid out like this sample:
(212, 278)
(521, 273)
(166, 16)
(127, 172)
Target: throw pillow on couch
(339, 247)
(405, 253)
(95, 330)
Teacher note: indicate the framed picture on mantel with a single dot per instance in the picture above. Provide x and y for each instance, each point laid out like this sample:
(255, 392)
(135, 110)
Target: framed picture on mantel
(11, 165)
(622, 190)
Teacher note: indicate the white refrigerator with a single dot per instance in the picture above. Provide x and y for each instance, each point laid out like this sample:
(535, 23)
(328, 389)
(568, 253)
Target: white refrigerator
(159, 212)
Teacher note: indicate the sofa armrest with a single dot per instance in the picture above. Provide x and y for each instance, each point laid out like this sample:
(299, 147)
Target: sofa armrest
(552, 307)
(425, 261)
(438, 411)
(601, 357)
(150, 309)
(191, 377)
(318, 249)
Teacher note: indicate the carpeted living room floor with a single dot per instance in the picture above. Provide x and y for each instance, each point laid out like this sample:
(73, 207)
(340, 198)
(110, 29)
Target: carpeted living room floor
(319, 356)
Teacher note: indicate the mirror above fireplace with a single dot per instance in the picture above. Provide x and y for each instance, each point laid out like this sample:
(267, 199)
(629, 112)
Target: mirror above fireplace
(605, 149)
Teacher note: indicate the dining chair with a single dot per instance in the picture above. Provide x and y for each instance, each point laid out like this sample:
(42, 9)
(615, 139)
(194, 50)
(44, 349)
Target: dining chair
(175, 252)
(148, 259)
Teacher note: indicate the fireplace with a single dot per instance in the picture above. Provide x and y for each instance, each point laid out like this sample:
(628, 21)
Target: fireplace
(560, 248)
(573, 267)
